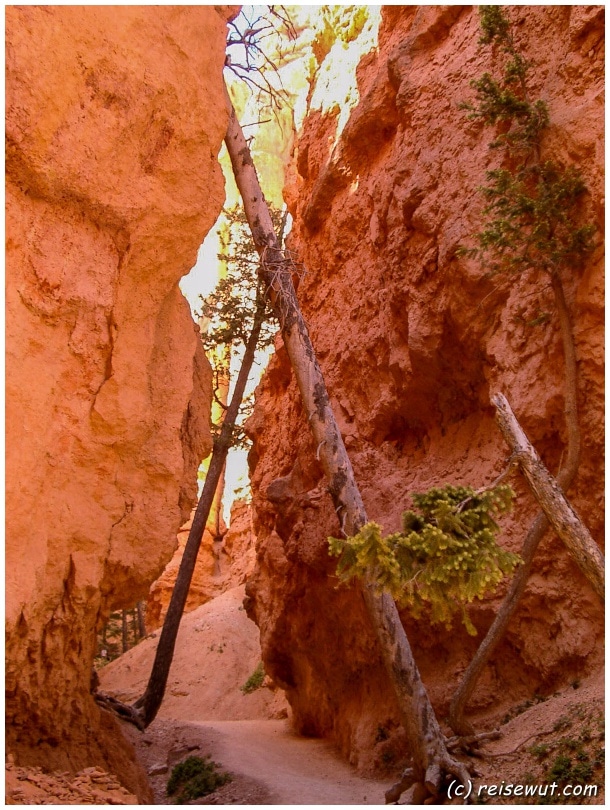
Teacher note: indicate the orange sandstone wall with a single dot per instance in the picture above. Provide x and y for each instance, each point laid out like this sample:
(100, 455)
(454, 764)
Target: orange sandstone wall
(115, 116)
(412, 342)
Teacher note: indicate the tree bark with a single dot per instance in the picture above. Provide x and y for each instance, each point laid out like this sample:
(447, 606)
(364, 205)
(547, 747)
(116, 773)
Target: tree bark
(559, 512)
(141, 622)
(134, 626)
(431, 760)
(124, 642)
(464, 692)
(147, 706)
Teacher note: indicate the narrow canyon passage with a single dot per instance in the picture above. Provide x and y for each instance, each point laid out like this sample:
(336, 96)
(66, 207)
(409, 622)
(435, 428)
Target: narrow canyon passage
(374, 154)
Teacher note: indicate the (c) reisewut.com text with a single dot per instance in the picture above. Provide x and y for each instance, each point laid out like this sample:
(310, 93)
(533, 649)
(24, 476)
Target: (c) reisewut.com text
(514, 789)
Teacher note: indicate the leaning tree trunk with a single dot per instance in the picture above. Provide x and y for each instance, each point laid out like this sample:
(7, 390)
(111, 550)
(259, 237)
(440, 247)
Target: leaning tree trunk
(124, 639)
(565, 477)
(559, 512)
(147, 706)
(431, 760)
(141, 622)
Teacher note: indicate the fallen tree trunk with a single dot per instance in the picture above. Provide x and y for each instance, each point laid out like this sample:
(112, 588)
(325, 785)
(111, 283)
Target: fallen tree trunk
(431, 760)
(559, 512)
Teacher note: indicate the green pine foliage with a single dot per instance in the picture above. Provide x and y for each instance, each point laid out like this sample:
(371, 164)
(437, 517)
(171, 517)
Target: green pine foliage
(532, 205)
(230, 310)
(445, 557)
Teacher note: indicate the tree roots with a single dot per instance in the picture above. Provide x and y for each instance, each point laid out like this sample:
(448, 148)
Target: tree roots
(440, 772)
(430, 790)
(121, 710)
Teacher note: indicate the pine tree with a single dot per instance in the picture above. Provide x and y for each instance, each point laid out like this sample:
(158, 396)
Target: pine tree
(246, 316)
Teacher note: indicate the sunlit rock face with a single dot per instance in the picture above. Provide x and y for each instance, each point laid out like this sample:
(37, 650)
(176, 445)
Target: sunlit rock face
(413, 341)
(115, 116)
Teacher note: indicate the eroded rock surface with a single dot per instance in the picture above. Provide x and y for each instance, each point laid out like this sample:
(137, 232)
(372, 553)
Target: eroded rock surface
(90, 786)
(413, 341)
(114, 119)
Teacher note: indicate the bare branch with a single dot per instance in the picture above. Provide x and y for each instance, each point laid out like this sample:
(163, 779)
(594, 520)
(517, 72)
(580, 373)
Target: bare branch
(256, 48)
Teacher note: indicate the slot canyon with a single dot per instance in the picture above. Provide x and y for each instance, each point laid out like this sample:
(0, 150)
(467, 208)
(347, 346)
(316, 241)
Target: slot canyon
(115, 117)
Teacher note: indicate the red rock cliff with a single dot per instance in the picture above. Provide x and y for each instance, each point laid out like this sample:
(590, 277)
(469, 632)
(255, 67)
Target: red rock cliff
(412, 342)
(115, 116)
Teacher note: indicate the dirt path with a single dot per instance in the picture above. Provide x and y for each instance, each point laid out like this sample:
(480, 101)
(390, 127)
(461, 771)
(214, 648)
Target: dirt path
(269, 763)
(206, 712)
(296, 770)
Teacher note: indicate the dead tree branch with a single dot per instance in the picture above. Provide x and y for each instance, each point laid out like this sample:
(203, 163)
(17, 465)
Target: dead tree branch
(567, 524)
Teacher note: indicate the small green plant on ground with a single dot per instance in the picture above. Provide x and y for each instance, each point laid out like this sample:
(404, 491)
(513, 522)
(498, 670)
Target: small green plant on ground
(523, 707)
(540, 750)
(445, 556)
(576, 768)
(575, 761)
(255, 681)
(194, 778)
(562, 723)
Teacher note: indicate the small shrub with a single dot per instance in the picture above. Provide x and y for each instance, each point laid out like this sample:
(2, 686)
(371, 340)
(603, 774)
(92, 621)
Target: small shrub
(255, 681)
(562, 724)
(561, 768)
(565, 771)
(582, 772)
(540, 750)
(194, 778)
(571, 744)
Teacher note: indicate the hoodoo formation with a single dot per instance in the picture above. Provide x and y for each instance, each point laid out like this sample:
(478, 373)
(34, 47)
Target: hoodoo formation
(114, 120)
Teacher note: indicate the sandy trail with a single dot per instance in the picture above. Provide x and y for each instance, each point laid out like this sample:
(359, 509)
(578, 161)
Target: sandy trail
(294, 769)
(269, 763)
(205, 712)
